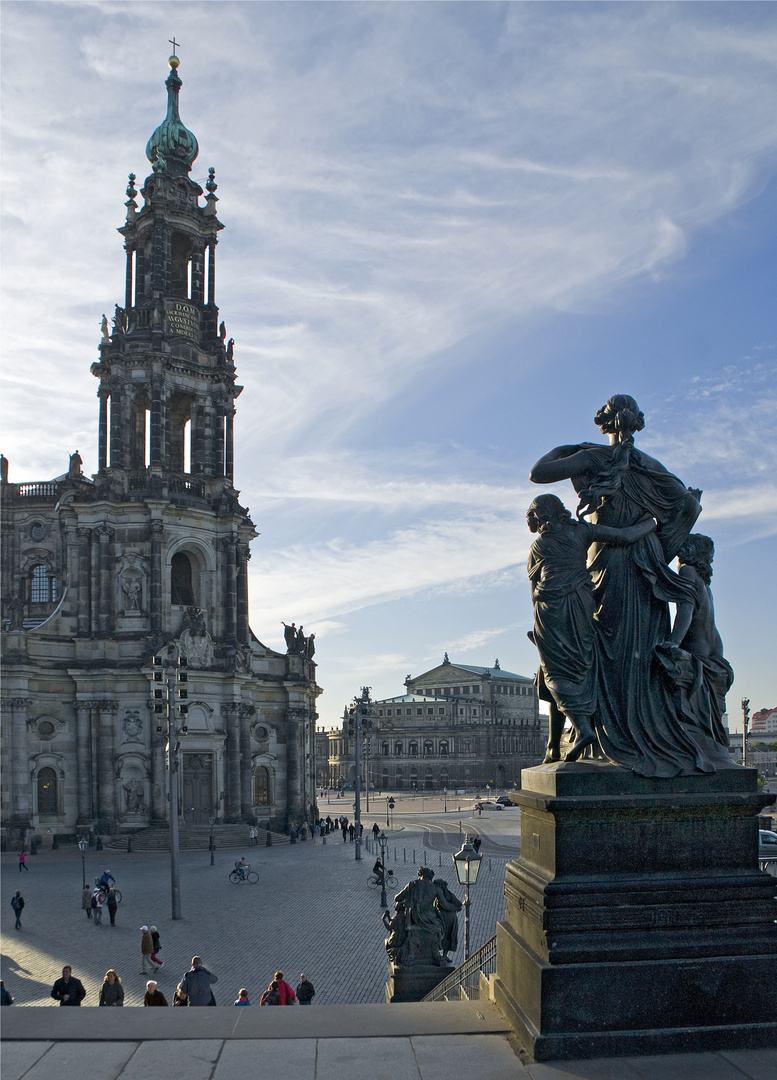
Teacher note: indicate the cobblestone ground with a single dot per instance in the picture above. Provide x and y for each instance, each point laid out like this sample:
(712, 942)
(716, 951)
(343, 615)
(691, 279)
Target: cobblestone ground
(311, 911)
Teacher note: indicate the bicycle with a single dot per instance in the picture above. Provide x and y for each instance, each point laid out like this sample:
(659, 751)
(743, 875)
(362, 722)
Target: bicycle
(236, 877)
(104, 892)
(391, 880)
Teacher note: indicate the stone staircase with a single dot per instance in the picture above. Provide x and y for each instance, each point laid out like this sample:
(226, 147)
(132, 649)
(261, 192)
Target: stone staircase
(191, 838)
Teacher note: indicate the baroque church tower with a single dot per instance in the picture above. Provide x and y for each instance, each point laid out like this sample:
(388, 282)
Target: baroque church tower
(99, 573)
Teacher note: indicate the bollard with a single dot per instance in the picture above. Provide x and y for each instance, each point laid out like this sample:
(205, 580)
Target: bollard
(268, 842)
(99, 845)
(33, 847)
(129, 845)
(55, 842)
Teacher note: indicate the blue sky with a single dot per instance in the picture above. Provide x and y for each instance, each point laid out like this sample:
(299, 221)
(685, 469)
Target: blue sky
(452, 232)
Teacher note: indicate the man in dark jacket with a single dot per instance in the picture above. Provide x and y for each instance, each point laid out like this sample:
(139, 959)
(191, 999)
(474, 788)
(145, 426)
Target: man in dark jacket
(196, 984)
(17, 903)
(305, 991)
(68, 990)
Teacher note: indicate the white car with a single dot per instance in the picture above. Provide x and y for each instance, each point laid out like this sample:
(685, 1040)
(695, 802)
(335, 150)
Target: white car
(488, 804)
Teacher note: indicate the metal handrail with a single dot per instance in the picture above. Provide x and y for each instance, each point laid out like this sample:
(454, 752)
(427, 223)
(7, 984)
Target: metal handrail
(467, 976)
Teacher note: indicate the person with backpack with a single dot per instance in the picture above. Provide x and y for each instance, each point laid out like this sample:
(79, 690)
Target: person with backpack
(17, 903)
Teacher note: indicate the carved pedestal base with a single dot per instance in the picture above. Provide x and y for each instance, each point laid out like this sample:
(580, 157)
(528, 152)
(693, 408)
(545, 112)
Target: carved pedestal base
(637, 921)
(413, 982)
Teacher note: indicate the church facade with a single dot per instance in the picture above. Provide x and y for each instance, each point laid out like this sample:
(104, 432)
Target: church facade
(101, 573)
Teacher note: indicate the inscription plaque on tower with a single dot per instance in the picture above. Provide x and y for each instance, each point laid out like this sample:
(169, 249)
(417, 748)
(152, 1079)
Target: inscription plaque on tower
(183, 319)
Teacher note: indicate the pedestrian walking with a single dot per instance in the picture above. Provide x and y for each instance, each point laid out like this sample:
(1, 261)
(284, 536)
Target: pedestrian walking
(146, 949)
(253, 836)
(68, 990)
(351, 831)
(287, 995)
(155, 938)
(17, 903)
(97, 907)
(196, 984)
(112, 905)
(5, 997)
(375, 831)
(305, 990)
(111, 991)
(271, 996)
(153, 996)
(23, 861)
(86, 900)
(242, 997)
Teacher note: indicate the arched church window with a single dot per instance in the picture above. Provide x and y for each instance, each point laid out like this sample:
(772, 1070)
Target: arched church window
(261, 786)
(47, 792)
(181, 587)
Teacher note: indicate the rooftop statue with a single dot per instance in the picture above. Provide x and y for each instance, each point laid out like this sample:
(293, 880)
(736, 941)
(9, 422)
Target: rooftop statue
(633, 707)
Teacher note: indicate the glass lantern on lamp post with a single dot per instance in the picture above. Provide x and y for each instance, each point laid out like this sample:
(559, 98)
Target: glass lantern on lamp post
(467, 865)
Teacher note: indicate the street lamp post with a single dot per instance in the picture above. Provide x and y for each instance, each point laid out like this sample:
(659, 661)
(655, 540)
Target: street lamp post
(83, 844)
(382, 841)
(169, 701)
(467, 864)
(211, 822)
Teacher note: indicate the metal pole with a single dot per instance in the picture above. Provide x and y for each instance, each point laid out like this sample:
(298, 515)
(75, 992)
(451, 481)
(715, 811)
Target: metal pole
(172, 774)
(367, 749)
(466, 921)
(212, 848)
(383, 897)
(357, 746)
(387, 812)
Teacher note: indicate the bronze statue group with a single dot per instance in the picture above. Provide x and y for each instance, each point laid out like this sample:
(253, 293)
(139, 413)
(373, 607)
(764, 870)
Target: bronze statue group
(638, 691)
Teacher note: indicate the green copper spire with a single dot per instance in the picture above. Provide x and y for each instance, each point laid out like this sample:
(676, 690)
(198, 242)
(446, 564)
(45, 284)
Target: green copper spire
(172, 148)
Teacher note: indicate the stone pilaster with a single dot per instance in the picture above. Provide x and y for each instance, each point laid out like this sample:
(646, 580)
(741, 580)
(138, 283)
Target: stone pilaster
(156, 529)
(231, 712)
(243, 554)
(83, 710)
(105, 580)
(83, 581)
(246, 776)
(106, 751)
(21, 806)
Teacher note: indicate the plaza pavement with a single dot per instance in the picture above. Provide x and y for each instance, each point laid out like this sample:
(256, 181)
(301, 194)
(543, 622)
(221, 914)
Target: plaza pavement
(311, 911)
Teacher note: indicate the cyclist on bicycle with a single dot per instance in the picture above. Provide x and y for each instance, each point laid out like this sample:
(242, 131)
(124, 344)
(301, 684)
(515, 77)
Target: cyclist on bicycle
(378, 870)
(106, 879)
(242, 868)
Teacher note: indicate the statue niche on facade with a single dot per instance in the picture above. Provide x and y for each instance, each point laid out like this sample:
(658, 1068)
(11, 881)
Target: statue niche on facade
(627, 685)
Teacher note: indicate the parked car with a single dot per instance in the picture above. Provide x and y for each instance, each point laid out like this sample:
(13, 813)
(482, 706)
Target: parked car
(767, 844)
(488, 804)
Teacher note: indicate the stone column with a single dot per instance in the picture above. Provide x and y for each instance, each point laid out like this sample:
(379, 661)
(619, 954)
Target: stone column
(83, 710)
(241, 588)
(230, 588)
(118, 458)
(212, 272)
(106, 765)
(246, 776)
(21, 805)
(156, 528)
(105, 583)
(102, 433)
(84, 582)
(128, 279)
(229, 447)
(156, 438)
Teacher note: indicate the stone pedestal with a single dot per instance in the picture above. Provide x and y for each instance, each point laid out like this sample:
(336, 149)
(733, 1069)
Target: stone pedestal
(637, 920)
(413, 982)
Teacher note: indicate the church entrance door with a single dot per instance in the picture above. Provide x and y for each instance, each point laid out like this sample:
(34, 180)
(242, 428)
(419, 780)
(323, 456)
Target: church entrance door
(198, 803)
